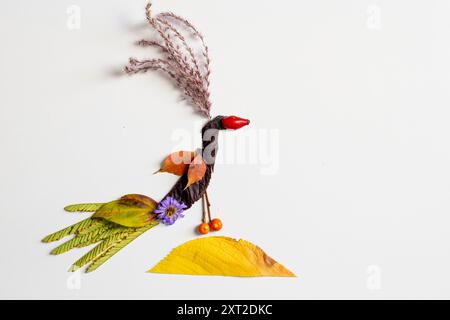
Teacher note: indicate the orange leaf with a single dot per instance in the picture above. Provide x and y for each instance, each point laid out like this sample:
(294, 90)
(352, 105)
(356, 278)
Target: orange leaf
(177, 163)
(197, 170)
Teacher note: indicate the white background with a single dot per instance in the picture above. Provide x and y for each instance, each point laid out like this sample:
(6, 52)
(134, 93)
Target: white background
(358, 92)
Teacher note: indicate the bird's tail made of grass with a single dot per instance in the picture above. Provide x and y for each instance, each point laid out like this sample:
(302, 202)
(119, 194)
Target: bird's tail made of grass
(109, 237)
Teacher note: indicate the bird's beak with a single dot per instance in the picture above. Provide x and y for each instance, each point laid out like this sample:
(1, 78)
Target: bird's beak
(234, 123)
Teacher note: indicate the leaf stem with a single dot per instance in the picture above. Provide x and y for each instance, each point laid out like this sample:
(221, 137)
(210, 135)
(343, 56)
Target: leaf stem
(203, 209)
(208, 205)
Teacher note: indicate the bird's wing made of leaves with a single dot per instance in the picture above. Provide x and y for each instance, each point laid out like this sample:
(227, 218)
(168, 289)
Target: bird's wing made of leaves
(177, 163)
(196, 171)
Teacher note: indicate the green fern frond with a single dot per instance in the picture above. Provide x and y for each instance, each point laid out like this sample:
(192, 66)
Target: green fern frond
(116, 247)
(108, 253)
(108, 233)
(96, 227)
(87, 237)
(98, 250)
(73, 229)
(84, 207)
(84, 240)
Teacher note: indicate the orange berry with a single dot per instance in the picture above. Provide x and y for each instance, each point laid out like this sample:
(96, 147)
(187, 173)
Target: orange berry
(204, 228)
(216, 225)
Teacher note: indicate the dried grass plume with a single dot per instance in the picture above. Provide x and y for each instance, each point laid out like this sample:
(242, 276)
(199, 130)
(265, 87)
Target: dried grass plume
(189, 70)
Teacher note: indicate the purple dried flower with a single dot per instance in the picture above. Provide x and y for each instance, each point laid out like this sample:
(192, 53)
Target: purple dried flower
(170, 210)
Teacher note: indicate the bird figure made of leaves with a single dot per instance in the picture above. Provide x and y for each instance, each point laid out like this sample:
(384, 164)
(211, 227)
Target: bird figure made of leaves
(113, 225)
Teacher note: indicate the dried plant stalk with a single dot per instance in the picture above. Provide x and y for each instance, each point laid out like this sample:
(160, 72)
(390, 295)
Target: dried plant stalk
(190, 72)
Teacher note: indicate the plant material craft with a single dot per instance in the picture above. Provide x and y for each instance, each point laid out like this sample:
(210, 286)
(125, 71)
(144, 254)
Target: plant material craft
(115, 224)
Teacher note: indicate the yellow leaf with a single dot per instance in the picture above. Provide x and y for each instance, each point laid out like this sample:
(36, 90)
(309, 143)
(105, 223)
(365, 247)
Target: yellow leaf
(220, 256)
